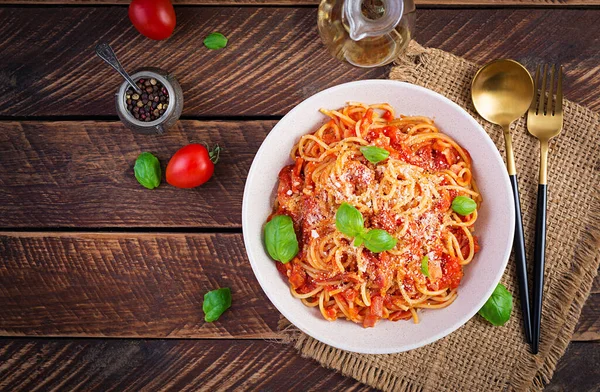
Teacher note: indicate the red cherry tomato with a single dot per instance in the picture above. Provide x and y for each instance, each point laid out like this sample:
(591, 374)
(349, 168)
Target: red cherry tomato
(153, 18)
(192, 165)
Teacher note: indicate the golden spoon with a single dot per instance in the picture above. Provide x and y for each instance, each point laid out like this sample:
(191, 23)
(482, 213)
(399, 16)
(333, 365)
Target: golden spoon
(502, 92)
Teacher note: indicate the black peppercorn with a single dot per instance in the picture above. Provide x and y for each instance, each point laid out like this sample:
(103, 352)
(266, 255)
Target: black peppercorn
(151, 103)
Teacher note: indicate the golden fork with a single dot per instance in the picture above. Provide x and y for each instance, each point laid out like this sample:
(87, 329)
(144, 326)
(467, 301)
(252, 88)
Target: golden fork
(544, 121)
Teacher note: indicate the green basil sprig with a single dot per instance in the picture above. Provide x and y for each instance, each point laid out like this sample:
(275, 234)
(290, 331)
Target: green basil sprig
(215, 41)
(280, 238)
(425, 265)
(215, 303)
(147, 170)
(498, 307)
(349, 221)
(377, 240)
(463, 205)
(374, 154)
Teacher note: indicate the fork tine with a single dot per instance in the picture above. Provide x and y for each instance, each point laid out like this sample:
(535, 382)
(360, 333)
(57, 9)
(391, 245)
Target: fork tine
(559, 96)
(540, 109)
(536, 84)
(549, 106)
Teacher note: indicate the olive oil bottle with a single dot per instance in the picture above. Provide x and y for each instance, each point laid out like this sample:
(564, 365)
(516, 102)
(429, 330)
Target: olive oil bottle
(366, 33)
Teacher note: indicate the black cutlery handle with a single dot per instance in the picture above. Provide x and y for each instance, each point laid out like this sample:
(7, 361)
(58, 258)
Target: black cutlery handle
(520, 262)
(538, 266)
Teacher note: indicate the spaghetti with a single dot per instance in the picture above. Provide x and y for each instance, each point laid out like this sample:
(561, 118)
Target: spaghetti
(409, 195)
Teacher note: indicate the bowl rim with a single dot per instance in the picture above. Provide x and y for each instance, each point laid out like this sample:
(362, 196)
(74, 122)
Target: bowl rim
(247, 216)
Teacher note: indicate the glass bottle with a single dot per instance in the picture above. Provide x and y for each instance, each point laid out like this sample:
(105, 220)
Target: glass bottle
(366, 33)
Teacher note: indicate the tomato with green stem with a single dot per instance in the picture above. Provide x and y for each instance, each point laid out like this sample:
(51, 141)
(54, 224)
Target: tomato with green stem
(192, 165)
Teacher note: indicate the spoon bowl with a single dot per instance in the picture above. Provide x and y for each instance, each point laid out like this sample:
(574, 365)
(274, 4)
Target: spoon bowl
(502, 91)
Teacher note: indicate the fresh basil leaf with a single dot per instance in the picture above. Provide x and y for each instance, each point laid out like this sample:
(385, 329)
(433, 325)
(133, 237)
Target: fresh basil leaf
(215, 41)
(147, 170)
(215, 303)
(463, 205)
(280, 238)
(498, 307)
(425, 265)
(374, 154)
(358, 241)
(377, 240)
(349, 220)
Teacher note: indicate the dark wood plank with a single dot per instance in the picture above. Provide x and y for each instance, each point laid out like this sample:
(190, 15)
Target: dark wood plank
(588, 326)
(578, 369)
(125, 365)
(140, 285)
(128, 285)
(80, 174)
(498, 3)
(131, 365)
(273, 61)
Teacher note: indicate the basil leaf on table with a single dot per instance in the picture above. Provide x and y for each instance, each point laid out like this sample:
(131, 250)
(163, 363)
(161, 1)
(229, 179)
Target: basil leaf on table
(215, 41)
(425, 265)
(280, 238)
(147, 170)
(377, 240)
(463, 205)
(498, 307)
(349, 220)
(374, 154)
(215, 303)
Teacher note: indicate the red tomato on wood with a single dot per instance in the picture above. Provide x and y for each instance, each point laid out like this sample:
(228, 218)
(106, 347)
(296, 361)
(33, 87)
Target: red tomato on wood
(192, 166)
(154, 19)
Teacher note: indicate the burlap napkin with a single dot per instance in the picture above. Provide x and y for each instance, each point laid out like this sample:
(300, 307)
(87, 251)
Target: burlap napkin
(478, 356)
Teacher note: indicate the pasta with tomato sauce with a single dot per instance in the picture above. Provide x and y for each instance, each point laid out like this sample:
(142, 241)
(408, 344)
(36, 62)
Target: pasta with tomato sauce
(409, 194)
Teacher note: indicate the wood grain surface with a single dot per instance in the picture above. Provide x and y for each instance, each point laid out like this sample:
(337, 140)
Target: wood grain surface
(64, 184)
(441, 3)
(80, 174)
(274, 58)
(140, 285)
(128, 285)
(131, 365)
(152, 365)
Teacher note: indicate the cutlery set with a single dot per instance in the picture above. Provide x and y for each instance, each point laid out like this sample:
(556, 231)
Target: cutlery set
(502, 91)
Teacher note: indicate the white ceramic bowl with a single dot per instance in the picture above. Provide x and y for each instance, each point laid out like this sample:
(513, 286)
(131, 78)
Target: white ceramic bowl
(494, 226)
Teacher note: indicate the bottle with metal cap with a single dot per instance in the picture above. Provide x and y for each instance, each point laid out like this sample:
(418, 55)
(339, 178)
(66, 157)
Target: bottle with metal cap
(366, 33)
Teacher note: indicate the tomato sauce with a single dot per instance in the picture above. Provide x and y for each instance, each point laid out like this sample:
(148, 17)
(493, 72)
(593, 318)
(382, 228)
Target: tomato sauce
(381, 269)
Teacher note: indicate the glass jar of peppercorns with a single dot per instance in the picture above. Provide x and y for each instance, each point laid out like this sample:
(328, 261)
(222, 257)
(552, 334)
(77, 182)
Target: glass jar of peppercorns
(156, 108)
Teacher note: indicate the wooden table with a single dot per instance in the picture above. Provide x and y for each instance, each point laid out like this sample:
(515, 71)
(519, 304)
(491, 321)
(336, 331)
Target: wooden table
(87, 255)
